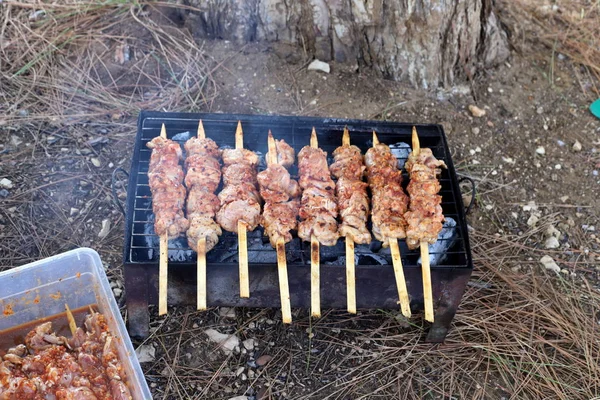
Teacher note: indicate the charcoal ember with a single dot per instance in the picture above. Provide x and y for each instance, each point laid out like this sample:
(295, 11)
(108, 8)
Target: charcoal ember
(438, 251)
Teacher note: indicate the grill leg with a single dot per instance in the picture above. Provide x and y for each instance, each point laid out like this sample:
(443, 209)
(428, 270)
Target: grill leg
(136, 284)
(451, 287)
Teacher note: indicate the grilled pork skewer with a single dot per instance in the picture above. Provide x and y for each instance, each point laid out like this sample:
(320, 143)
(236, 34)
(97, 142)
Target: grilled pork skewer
(165, 177)
(425, 216)
(280, 212)
(203, 175)
(388, 207)
(318, 210)
(353, 203)
(240, 200)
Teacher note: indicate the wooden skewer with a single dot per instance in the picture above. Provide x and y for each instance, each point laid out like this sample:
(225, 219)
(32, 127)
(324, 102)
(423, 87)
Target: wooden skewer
(400, 280)
(350, 265)
(315, 273)
(201, 261)
(71, 319)
(242, 228)
(425, 264)
(403, 297)
(284, 287)
(163, 260)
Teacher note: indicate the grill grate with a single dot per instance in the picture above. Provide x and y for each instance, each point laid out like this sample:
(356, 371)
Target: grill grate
(142, 244)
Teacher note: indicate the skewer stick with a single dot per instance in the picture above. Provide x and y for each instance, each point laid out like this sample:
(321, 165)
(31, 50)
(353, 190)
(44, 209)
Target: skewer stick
(400, 281)
(241, 231)
(201, 133)
(201, 261)
(350, 275)
(71, 319)
(403, 298)
(163, 260)
(350, 265)
(315, 273)
(425, 264)
(284, 287)
(201, 270)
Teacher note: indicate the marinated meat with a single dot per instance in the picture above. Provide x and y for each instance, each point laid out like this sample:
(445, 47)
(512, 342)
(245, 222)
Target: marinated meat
(165, 177)
(85, 367)
(203, 175)
(425, 218)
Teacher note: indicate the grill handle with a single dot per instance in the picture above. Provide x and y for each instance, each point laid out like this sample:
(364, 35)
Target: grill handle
(113, 188)
(473, 191)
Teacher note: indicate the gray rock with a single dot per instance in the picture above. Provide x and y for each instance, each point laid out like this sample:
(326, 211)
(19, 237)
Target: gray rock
(6, 183)
(226, 342)
(96, 162)
(552, 243)
(549, 263)
(577, 146)
(105, 229)
(227, 312)
(145, 353)
(318, 65)
(248, 344)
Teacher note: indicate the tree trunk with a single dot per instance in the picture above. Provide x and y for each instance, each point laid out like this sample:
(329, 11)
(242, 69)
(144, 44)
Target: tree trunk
(427, 43)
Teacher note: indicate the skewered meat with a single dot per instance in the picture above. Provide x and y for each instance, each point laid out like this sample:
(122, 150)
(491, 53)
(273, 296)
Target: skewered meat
(239, 198)
(280, 192)
(425, 216)
(285, 154)
(351, 193)
(389, 202)
(85, 367)
(203, 175)
(165, 177)
(279, 219)
(276, 185)
(318, 209)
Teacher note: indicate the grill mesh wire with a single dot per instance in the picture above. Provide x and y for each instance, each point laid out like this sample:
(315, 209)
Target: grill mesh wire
(142, 244)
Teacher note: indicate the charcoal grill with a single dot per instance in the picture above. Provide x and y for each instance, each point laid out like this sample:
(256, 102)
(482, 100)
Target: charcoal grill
(375, 282)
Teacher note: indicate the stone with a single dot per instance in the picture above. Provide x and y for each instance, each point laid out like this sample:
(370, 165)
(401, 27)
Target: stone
(577, 146)
(549, 263)
(105, 229)
(552, 243)
(532, 221)
(145, 353)
(73, 211)
(6, 183)
(96, 162)
(248, 344)
(226, 342)
(117, 292)
(227, 312)
(476, 111)
(540, 150)
(239, 371)
(263, 360)
(238, 398)
(552, 231)
(318, 65)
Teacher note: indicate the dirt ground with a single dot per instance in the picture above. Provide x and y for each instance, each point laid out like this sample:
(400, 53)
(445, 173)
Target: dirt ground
(522, 331)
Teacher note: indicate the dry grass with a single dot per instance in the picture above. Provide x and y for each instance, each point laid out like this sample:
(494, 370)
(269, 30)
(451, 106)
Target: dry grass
(520, 333)
(567, 27)
(67, 63)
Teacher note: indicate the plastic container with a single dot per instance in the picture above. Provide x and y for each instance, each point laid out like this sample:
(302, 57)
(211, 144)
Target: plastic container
(77, 278)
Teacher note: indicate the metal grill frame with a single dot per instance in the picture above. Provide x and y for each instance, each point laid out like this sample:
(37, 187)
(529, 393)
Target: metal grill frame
(375, 283)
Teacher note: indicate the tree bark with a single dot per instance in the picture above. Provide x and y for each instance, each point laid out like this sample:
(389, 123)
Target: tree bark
(426, 42)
